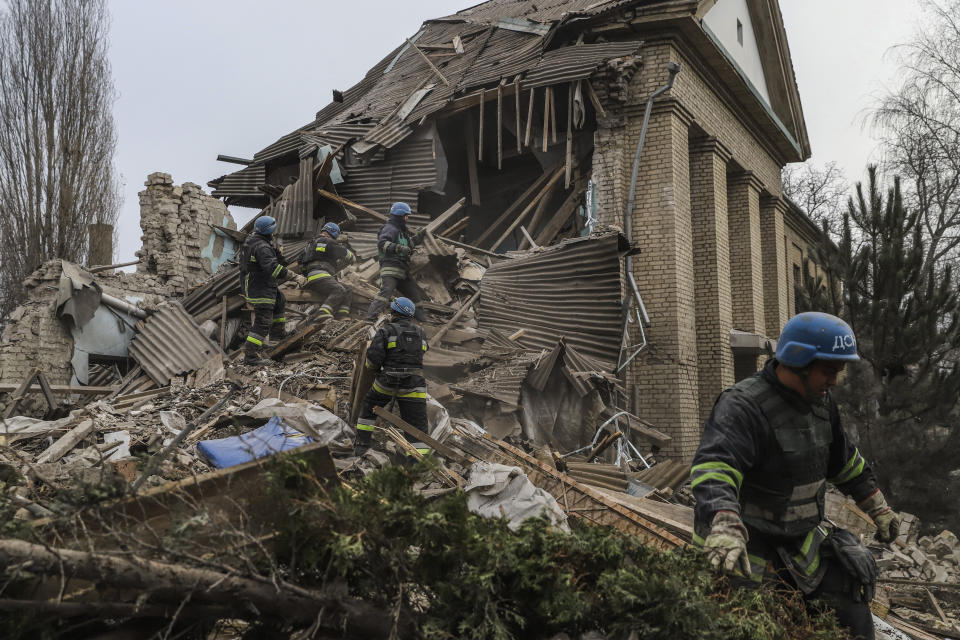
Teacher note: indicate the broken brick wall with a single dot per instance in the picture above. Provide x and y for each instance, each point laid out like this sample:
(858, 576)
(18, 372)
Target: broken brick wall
(180, 246)
(33, 335)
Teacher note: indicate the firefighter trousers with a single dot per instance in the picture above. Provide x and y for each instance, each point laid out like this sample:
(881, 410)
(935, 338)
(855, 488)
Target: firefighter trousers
(411, 400)
(389, 286)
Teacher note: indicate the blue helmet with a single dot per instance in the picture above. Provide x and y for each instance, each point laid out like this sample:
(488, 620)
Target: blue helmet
(404, 306)
(333, 229)
(815, 336)
(265, 225)
(400, 209)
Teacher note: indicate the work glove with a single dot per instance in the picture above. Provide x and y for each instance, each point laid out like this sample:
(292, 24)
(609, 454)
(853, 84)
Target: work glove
(886, 519)
(858, 563)
(726, 546)
(351, 257)
(404, 250)
(300, 280)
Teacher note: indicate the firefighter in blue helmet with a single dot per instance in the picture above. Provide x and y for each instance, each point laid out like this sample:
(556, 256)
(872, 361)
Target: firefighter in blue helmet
(395, 245)
(396, 354)
(320, 262)
(262, 268)
(769, 447)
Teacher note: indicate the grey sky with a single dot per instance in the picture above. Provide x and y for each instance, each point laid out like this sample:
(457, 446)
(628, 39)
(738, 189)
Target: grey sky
(231, 76)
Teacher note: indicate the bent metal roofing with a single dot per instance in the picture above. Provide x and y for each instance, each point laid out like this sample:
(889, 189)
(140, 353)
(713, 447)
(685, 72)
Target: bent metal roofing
(485, 45)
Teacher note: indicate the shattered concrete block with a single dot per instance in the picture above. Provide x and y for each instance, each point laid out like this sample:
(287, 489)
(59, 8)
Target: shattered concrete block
(919, 557)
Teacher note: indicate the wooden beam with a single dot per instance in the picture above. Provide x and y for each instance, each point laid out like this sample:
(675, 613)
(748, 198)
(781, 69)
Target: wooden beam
(442, 219)
(60, 389)
(288, 343)
(528, 209)
(499, 127)
(516, 108)
(526, 138)
(472, 160)
(538, 217)
(569, 153)
(559, 218)
(595, 100)
(470, 247)
(553, 115)
(480, 143)
(429, 62)
(455, 228)
(539, 182)
(436, 445)
(66, 443)
(353, 205)
(546, 117)
(456, 316)
(223, 325)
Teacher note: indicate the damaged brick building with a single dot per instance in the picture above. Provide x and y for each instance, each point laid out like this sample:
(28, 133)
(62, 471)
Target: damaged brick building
(532, 111)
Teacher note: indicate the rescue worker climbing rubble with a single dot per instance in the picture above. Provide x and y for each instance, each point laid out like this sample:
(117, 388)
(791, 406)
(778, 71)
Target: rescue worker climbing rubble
(396, 353)
(395, 245)
(262, 267)
(759, 476)
(320, 261)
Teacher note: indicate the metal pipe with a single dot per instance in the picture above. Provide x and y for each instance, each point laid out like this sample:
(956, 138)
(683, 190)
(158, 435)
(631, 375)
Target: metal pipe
(123, 305)
(673, 69)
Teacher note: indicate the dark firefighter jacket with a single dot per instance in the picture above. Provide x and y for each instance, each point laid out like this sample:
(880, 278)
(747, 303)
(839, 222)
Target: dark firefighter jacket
(396, 352)
(394, 234)
(324, 256)
(261, 268)
(766, 455)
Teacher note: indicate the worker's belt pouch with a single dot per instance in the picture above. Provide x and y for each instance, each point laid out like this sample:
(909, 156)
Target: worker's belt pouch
(857, 561)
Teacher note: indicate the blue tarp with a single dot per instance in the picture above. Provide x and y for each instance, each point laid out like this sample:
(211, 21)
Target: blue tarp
(273, 437)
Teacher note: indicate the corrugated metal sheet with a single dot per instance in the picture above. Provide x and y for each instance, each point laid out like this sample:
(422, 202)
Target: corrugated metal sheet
(288, 144)
(576, 62)
(363, 244)
(225, 282)
(169, 343)
(294, 211)
(507, 53)
(409, 169)
(570, 290)
(240, 184)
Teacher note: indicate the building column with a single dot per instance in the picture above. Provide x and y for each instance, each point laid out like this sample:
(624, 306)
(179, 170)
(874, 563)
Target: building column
(711, 264)
(746, 258)
(666, 375)
(775, 285)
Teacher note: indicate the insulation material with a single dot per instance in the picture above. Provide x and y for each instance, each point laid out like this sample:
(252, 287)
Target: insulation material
(498, 491)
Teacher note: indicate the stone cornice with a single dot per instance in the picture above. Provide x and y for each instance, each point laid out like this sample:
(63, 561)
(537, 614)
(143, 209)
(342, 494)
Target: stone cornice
(747, 177)
(710, 144)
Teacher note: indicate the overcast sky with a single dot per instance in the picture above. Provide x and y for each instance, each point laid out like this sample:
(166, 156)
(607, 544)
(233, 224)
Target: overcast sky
(200, 78)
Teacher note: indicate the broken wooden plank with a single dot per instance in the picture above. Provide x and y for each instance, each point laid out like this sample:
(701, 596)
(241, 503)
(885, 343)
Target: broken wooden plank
(595, 100)
(499, 126)
(560, 218)
(456, 316)
(569, 151)
(537, 218)
(537, 184)
(290, 341)
(455, 228)
(18, 392)
(223, 324)
(429, 62)
(553, 115)
(546, 117)
(644, 429)
(480, 145)
(66, 443)
(442, 219)
(520, 218)
(234, 302)
(436, 445)
(353, 205)
(472, 160)
(526, 138)
(516, 96)
(60, 389)
(936, 606)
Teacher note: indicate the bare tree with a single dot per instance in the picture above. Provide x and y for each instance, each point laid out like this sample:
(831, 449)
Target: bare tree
(57, 135)
(821, 191)
(918, 121)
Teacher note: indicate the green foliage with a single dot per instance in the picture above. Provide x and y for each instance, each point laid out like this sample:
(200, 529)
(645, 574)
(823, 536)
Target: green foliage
(883, 278)
(462, 576)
